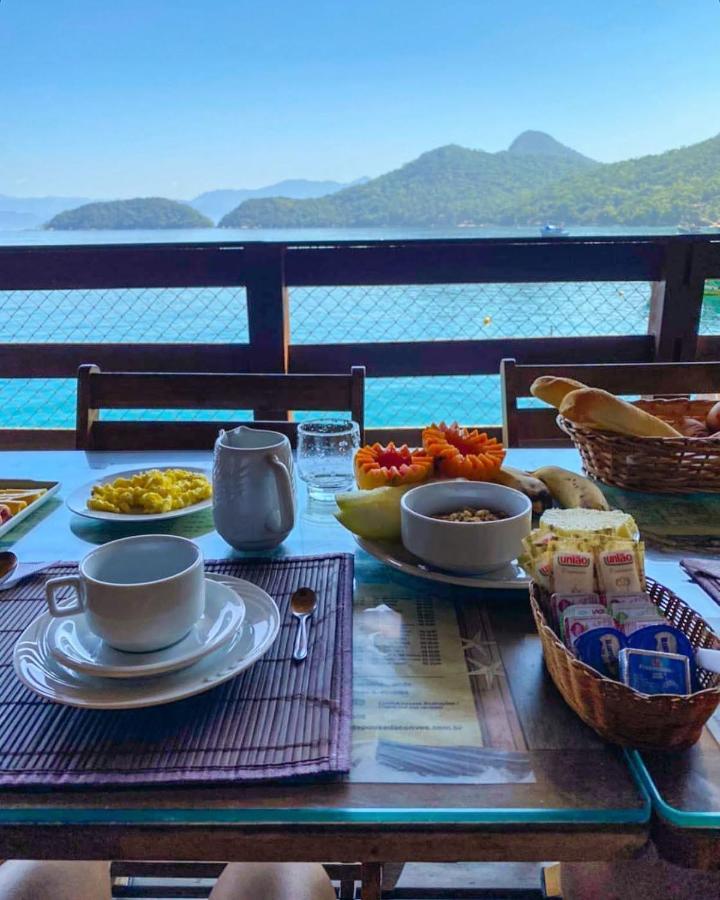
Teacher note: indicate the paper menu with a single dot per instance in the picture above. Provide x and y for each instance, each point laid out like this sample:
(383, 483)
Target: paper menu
(414, 712)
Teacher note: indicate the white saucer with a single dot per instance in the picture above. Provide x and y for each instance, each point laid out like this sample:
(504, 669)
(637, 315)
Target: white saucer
(73, 644)
(36, 668)
(393, 554)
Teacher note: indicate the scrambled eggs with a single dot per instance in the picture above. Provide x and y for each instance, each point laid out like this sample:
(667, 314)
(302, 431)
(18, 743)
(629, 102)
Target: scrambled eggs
(154, 491)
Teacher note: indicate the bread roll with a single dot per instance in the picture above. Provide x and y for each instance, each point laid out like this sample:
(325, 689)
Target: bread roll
(692, 427)
(594, 408)
(713, 418)
(552, 389)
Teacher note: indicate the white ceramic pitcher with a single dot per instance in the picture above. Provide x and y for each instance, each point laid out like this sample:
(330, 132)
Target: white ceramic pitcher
(253, 488)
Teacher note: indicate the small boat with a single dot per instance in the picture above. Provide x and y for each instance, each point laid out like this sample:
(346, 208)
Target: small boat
(549, 230)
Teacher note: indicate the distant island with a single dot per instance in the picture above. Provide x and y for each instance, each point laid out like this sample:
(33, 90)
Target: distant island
(536, 180)
(143, 213)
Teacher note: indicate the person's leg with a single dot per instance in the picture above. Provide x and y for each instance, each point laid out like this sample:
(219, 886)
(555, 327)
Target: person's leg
(273, 881)
(54, 880)
(642, 879)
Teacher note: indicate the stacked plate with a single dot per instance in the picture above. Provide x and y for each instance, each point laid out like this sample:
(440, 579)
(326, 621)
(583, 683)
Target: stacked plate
(62, 660)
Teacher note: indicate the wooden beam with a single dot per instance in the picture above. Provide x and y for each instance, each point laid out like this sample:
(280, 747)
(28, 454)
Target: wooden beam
(63, 360)
(202, 390)
(467, 261)
(121, 266)
(452, 261)
(314, 843)
(387, 360)
(37, 438)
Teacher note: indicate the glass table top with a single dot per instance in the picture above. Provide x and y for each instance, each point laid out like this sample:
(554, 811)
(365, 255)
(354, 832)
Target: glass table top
(454, 721)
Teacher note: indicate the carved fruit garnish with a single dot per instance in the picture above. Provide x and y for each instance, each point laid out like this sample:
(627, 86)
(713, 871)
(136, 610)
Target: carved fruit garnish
(463, 453)
(378, 466)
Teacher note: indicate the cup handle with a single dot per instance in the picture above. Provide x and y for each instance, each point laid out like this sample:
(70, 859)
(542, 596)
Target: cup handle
(53, 584)
(285, 493)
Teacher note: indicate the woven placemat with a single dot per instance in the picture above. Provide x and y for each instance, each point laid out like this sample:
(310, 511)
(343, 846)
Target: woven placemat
(275, 720)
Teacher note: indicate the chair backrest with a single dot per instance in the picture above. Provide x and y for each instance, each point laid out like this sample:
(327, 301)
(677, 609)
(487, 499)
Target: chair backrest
(98, 390)
(536, 427)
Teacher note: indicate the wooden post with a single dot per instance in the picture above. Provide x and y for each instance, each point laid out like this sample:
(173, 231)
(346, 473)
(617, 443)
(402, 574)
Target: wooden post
(85, 414)
(676, 304)
(371, 888)
(268, 315)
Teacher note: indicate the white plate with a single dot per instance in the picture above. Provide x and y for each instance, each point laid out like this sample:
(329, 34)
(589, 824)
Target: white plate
(51, 487)
(77, 501)
(73, 644)
(393, 554)
(36, 668)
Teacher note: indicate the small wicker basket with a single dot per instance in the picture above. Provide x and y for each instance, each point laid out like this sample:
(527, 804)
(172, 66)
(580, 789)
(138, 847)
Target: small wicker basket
(619, 713)
(664, 465)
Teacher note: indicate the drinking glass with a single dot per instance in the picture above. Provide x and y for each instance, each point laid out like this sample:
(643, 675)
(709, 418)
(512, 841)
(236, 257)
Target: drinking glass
(326, 448)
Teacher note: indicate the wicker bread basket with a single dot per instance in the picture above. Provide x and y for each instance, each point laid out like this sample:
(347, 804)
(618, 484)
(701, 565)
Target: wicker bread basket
(617, 712)
(664, 465)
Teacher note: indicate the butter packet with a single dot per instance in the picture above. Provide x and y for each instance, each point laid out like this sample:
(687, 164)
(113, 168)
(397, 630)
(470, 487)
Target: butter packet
(619, 569)
(651, 672)
(625, 613)
(599, 648)
(576, 620)
(560, 602)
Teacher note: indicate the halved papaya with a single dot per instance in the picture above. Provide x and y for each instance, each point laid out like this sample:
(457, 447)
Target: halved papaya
(378, 466)
(463, 453)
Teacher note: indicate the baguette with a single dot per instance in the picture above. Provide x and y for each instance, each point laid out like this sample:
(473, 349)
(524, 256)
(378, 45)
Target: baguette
(594, 408)
(553, 390)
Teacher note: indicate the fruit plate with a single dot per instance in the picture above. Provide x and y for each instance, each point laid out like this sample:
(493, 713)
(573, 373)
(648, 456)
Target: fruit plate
(77, 501)
(392, 553)
(50, 487)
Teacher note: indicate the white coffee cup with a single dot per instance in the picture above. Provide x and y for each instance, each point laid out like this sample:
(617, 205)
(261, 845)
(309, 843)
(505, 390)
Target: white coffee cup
(138, 593)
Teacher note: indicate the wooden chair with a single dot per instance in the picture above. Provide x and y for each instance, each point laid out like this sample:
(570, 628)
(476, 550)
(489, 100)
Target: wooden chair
(97, 390)
(536, 427)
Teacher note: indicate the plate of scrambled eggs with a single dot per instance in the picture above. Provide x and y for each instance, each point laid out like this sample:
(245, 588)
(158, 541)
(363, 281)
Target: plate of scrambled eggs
(144, 495)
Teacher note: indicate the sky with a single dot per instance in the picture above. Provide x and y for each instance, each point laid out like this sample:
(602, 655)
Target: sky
(122, 98)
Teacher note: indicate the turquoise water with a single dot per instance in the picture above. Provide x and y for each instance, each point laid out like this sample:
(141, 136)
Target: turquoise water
(318, 315)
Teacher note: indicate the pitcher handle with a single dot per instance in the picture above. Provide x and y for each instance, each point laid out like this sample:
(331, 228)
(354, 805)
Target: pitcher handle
(285, 493)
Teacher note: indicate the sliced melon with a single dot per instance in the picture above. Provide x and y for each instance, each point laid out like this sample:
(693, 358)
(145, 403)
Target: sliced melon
(373, 514)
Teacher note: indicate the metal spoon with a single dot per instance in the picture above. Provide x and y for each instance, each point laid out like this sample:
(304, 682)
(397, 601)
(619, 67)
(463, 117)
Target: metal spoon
(8, 564)
(12, 571)
(302, 605)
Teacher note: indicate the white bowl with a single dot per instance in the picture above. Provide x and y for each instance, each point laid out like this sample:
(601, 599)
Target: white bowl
(469, 547)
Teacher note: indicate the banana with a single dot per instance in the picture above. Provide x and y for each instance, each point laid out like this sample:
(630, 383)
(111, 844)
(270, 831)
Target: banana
(533, 488)
(570, 489)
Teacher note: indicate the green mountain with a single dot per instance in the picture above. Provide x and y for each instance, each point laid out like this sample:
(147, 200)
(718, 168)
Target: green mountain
(143, 212)
(677, 186)
(448, 186)
(537, 143)
(536, 180)
(216, 204)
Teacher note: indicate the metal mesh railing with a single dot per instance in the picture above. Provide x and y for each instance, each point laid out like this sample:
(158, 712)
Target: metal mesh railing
(119, 315)
(459, 312)
(317, 316)
(710, 311)
(132, 315)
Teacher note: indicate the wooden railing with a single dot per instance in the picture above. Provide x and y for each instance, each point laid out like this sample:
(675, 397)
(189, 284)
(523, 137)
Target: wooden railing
(677, 268)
